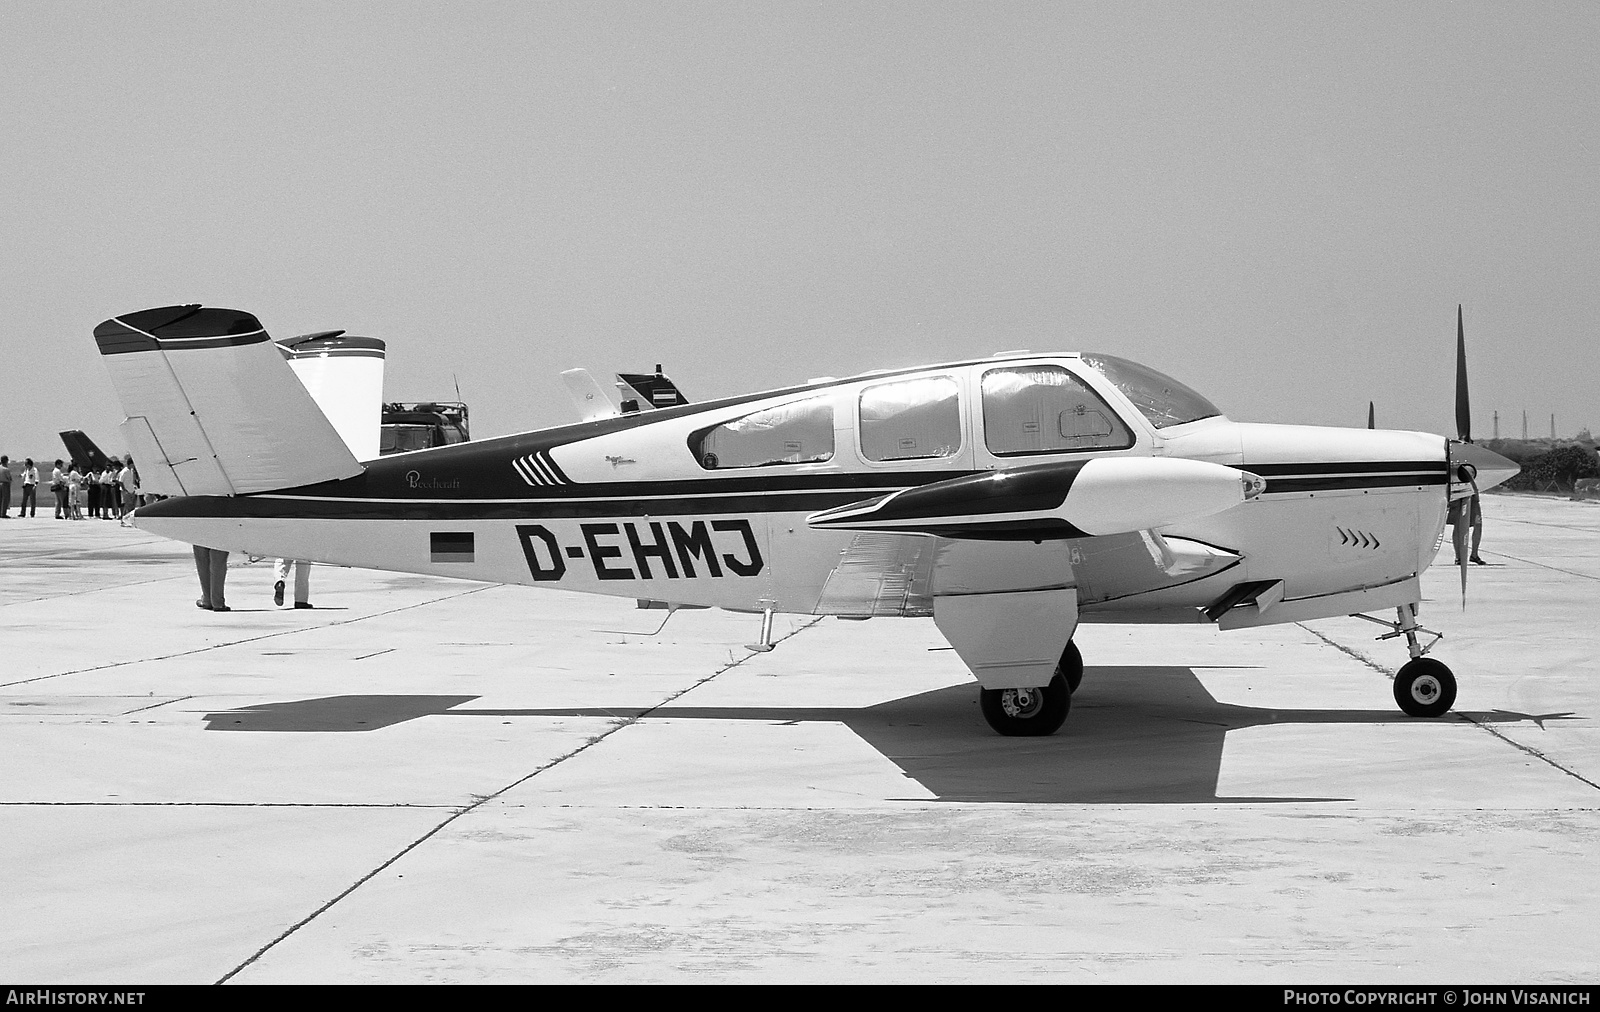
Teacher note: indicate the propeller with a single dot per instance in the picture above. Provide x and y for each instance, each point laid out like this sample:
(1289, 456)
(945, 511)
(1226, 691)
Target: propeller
(1372, 416)
(1463, 410)
(1470, 465)
(1460, 469)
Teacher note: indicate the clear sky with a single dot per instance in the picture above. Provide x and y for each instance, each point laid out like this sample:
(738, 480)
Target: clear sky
(1279, 204)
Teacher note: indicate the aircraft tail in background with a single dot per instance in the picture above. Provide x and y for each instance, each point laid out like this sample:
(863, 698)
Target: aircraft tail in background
(634, 392)
(344, 375)
(81, 449)
(212, 406)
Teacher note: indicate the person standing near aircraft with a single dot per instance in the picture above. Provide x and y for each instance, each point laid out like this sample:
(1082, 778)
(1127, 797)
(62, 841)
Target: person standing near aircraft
(74, 492)
(30, 488)
(5, 487)
(129, 482)
(1468, 511)
(212, 565)
(58, 487)
(302, 582)
(108, 490)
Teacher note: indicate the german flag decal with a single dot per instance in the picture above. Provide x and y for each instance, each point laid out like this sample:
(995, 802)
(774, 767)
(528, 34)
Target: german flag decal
(450, 546)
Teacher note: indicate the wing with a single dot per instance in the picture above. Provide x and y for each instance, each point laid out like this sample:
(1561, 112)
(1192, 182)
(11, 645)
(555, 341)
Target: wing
(999, 568)
(1055, 501)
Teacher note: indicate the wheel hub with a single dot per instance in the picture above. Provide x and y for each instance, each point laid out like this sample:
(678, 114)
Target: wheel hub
(1425, 689)
(1022, 703)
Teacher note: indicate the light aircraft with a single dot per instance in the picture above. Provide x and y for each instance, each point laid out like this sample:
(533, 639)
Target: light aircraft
(634, 392)
(1008, 498)
(82, 450)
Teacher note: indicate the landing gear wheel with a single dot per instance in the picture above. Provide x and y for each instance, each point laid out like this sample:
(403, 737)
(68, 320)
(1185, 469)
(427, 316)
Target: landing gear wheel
(1071, 666)
(1019, 713)
(1425, 688)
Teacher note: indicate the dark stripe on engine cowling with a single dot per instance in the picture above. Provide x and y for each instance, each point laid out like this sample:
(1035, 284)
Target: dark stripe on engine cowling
(1353, 481)
(1330, 467)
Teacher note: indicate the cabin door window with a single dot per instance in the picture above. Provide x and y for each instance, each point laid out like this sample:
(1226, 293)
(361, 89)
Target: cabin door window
(1046, 409)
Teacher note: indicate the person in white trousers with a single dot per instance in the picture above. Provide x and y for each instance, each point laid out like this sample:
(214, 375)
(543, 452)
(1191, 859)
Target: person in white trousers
(302, 582)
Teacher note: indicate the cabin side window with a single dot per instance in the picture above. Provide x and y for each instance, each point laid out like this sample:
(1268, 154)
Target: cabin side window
(911, 419)
(1046, 409)
(797, 433)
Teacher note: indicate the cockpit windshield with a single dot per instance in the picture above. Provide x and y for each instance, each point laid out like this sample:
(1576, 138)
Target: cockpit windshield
(1161, 399)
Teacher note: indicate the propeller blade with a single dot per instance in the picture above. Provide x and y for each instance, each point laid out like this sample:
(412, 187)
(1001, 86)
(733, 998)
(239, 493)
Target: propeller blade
(1372, 416)
(1463, 410)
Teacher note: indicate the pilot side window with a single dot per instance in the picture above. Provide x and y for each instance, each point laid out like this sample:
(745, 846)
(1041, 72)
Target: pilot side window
(911, 419)
(1046, 409)
(796, 433)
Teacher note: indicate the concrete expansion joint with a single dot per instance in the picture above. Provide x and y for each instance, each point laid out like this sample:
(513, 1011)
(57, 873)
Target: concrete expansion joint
(1529, 750)
(248, 639)
(1461, 717)
(480, 800)
(1358, 655)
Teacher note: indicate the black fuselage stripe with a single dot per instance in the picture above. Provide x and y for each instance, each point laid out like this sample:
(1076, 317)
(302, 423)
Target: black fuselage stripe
(269, 506)
(244, 507)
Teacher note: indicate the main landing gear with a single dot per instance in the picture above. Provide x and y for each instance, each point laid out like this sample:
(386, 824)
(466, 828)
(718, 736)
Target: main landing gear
(1036, 711)
(1423, 686)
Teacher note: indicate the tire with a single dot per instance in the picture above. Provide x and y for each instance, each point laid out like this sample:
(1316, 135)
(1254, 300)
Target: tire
(1071, 666)
(1024, 713)
(1424, 687)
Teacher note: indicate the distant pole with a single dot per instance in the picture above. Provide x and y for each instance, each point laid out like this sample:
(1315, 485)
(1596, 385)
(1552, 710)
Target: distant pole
(1552, 426)
(1524, 424)
(1497, 424)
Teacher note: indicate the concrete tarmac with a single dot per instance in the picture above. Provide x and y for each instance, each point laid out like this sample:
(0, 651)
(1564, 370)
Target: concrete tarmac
(424, 780)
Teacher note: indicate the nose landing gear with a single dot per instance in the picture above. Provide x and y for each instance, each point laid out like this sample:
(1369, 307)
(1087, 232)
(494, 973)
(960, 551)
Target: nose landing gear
(1423, 687)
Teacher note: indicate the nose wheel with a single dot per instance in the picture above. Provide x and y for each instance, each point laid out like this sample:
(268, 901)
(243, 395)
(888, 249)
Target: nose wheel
(1425, 688)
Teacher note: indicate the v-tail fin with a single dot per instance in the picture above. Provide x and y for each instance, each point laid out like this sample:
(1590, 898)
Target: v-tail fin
(212, 407)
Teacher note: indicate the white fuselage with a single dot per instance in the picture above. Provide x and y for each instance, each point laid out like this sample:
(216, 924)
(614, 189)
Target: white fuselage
(1349, 517)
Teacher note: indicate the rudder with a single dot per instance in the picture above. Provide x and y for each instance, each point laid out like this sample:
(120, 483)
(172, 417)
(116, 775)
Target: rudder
(212, 407)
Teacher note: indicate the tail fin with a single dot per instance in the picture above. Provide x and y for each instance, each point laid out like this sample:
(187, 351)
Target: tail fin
(213, 408)
(81, 449)
(344, 375)
(590, 397)
(650, 391)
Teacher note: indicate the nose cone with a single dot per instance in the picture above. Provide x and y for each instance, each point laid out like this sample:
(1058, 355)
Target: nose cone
(1491, 467)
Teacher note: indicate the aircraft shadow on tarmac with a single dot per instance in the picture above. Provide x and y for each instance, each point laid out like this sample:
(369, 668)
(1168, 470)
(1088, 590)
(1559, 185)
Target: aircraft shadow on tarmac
(1136, 735)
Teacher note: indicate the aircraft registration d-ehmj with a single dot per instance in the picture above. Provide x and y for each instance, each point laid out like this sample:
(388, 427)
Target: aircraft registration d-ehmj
(1009, 498)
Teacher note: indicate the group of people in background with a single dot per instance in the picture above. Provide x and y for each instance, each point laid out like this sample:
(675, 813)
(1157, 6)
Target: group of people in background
(107, 493)
(111, 493)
